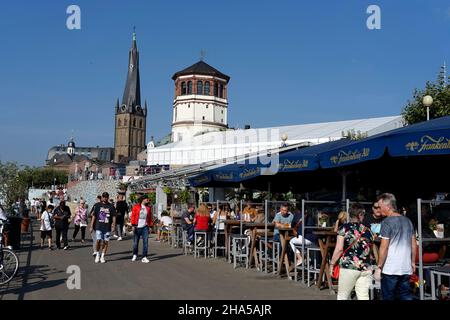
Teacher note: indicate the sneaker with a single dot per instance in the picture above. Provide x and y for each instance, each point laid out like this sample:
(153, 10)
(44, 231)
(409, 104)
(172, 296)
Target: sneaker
(134, 258)
(9, 247)
(299, 263)
(66, 247)
(114, 236)
(145, 260)
(119, 239)
(102, 259)
(82, 241)
(50, 248)
(158, 240)
(94, 253)
(97, 258)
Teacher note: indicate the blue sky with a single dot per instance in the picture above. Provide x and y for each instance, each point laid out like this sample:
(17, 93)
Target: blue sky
(290, 62)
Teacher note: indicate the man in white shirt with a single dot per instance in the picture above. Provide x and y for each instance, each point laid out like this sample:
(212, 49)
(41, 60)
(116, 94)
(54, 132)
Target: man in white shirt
(164, 224)
(397, 255)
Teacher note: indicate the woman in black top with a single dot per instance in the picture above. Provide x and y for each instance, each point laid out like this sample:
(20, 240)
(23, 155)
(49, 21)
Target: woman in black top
(121, 210)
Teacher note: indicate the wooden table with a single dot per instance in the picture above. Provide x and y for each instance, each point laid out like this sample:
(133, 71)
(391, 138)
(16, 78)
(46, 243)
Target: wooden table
(284, 239)
(254, 226)
(228, 225)
(325, 246)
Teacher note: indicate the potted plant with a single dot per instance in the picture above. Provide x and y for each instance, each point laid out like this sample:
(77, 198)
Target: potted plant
(323, 219)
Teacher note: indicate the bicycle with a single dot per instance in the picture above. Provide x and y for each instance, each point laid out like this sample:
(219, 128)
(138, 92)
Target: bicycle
(9, 263)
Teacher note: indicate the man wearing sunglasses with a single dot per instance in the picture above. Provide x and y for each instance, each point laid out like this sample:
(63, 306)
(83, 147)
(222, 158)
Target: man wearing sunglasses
(373, 221)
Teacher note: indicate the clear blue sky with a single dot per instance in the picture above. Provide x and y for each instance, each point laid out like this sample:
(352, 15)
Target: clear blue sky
(290, 62)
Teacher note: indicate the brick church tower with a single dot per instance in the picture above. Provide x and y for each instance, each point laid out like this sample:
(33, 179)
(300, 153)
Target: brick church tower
(131, 117)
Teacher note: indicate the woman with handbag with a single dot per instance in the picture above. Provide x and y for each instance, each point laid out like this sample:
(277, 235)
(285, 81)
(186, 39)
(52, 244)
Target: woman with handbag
(80, 221)
(353, 253)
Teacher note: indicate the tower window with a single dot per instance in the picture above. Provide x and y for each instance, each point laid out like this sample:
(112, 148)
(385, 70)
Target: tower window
(216, 89)
(119, 123)
(189, 105)
(221, 120)
(183, 88)
(189, 87)
(125, 122)
(199, 87)
(134, 122)
(203, 117)
(207, 106)
(140, 124)
(207, 88)
(221, 91)
(222, 111)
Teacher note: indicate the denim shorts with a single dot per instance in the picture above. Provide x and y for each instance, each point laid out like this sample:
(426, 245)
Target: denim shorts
(102, 235)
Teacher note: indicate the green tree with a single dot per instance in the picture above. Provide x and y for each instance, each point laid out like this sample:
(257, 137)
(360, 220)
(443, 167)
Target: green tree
(415, 112)
(12, 184)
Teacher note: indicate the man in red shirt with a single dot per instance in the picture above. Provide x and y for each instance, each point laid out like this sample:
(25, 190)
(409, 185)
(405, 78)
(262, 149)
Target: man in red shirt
(141, 220)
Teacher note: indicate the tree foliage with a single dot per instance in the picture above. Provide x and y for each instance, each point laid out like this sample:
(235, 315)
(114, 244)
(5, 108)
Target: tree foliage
(439, 90)
(15, 182)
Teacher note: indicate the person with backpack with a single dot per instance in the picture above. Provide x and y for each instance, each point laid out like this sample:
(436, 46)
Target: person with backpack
(47, 225)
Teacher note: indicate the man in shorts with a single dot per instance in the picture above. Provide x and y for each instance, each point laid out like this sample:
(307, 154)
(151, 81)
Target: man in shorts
(104, 219)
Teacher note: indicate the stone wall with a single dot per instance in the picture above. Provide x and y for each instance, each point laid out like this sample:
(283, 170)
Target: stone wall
(90, 189)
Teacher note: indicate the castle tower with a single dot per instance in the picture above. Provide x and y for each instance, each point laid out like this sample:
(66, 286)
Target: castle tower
(131, 117)
(200, 102)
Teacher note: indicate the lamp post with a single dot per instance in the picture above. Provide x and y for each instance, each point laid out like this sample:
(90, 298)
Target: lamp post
(284, 138)
(427, 102)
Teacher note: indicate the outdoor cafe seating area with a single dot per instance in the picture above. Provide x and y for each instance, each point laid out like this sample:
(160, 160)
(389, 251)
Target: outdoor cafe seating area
(321, 181)
(246, 240)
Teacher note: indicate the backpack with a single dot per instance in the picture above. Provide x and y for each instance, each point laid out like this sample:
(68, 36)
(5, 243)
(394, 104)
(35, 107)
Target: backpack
(52, 222)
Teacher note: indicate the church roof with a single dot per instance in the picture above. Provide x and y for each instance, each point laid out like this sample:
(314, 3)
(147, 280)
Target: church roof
(132, 94)
(202, 68)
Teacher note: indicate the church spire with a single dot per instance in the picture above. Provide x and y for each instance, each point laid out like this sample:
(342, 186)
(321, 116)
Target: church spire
(132, 94)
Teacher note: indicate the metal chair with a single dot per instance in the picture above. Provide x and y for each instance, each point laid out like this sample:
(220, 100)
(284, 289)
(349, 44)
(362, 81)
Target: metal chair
(187, 246)
(312, 269)
(201, 235)
(240, 250)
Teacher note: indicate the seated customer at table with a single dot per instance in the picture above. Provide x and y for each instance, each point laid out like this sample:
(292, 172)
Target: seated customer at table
(373, 220)
(202, 220)
(282, 219)
(431, 252)
(164, 224)
(187, 221)
(309, 239)
(249, 213)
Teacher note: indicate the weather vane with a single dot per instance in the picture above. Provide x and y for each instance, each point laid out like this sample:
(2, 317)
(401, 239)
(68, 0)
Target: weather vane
(202, 54)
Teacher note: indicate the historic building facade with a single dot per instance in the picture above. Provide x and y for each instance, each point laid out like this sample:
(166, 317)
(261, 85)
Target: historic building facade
(130, 116)
(200, 104)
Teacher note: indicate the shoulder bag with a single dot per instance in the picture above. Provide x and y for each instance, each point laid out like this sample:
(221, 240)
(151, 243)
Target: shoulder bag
(336, 268)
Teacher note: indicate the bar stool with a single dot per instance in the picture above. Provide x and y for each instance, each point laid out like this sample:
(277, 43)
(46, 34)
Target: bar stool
(315, 252)
(276, 253)
(187, 247)
(300, 267)
(197, 248)
(240, 250)
(264, 260)
(217, 234)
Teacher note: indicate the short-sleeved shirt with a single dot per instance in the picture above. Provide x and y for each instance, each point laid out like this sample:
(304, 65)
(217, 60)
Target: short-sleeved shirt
(64, 213)
(358, 256)
(373, 223)
(202, 222)
(166, 221)
(104, 214)
(399, 231)
(45, 217)
(188, 215)
(281, 219)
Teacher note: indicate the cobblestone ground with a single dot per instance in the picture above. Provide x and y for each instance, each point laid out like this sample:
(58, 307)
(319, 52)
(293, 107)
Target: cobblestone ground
(169, 275)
